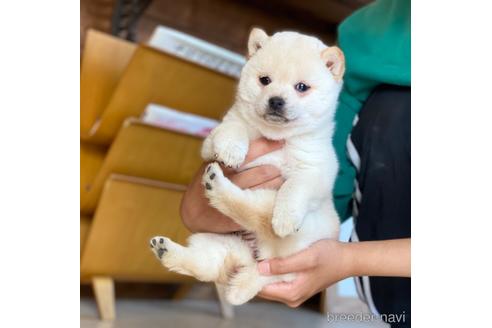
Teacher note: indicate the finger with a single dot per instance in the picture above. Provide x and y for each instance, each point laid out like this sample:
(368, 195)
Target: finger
(285, 292)
(275, 183)
(304, 260)
(266, 297)
(261, 147)
(255, 176)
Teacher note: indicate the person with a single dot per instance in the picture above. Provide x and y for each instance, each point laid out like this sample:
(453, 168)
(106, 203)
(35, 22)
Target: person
(372, 140)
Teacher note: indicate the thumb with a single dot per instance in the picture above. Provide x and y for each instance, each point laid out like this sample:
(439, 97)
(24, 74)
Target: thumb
(304, 260)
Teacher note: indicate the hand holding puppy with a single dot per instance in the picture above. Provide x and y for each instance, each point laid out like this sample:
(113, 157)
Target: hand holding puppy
(316, 268)
(196, 211)
(329, 261)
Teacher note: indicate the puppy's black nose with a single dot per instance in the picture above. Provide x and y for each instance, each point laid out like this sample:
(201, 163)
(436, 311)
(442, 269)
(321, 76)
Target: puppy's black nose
(276, 104)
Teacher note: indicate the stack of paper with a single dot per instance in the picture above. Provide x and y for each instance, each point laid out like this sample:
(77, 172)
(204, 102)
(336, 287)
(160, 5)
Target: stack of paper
(174, 120)
(198, 51)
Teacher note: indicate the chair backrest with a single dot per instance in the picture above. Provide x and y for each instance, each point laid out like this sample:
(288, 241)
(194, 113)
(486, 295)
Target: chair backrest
(146, 151)
(153, 76)
(104, 60)
(131, 211)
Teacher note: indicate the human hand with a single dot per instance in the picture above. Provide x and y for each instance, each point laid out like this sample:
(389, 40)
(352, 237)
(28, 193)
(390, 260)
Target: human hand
(196, 212)
(317, 267)
(329, 261)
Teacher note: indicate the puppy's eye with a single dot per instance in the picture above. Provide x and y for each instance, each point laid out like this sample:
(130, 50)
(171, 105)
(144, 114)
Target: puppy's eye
(265, 80)
(301, 87)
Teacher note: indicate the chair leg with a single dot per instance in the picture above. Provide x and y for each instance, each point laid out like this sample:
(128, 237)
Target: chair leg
(330, 298)
(226, 308)
(104, 291)
(324, 302)
(182, 291)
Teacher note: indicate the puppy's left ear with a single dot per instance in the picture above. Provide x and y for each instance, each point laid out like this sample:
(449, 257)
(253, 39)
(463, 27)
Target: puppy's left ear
(257, 38)
(335, 61)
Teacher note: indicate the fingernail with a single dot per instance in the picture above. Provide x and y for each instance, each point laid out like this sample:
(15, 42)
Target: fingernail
(264, 268)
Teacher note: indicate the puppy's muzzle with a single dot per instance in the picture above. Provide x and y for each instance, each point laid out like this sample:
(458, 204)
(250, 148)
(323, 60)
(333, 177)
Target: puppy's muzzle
(276, 110)
(276, 106)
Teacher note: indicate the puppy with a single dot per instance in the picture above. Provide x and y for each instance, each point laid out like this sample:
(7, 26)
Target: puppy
(288, 91)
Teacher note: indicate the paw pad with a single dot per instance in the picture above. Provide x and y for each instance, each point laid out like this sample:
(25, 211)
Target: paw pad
(212, 177)
(158, 246)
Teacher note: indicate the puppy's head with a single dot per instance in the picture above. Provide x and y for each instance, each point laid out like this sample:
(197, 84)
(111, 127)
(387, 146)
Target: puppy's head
(290, 82)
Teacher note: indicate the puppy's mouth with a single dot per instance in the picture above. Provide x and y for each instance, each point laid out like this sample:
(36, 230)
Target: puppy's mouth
(275, 118)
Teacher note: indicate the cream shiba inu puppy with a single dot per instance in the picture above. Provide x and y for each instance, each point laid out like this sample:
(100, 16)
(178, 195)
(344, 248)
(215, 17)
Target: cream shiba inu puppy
(288, 91)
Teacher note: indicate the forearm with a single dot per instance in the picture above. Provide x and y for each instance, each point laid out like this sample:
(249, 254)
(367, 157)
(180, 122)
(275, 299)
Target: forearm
(208, 221)
(389, 258)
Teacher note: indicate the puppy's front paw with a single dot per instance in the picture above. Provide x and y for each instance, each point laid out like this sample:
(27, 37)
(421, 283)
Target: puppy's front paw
(229, 152)
(158, 246)
(207, 151)
(285, 223)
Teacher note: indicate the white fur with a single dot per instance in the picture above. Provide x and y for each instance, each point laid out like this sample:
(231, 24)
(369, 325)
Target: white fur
(301, 212)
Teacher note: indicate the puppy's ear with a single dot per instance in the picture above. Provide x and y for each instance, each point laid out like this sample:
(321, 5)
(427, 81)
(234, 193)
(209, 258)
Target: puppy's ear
(257, 38)
(335, 61)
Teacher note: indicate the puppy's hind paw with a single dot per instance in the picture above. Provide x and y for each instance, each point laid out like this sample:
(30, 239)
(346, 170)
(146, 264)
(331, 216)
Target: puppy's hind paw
(239, 296)
(243, 286)
(285, 226)
(158, 246)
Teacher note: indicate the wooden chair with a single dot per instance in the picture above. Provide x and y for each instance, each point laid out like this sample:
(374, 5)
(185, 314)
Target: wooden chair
(133, 174)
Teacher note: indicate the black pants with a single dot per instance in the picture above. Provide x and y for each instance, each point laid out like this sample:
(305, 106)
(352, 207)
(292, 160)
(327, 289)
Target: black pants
(381, 138)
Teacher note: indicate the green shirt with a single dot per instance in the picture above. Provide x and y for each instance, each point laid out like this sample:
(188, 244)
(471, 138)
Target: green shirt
(376, 43)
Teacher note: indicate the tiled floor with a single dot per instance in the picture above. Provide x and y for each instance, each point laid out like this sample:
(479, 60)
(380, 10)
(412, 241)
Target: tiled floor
(205, 314)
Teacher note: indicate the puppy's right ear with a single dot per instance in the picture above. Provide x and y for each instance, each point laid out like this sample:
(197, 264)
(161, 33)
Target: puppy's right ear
(257, 38)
